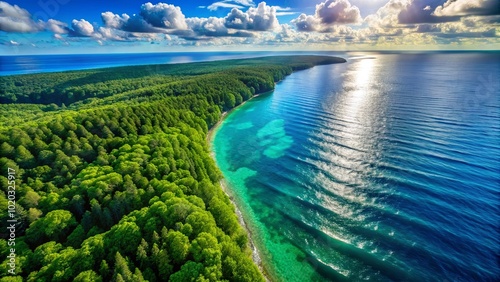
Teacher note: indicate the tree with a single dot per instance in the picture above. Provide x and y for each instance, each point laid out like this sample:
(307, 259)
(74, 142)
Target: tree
(121, 268)
(53, 226)
(125, 237)
(24, 157)
(76, 237)
(7, 150)
(88, 276)
(190, 271)
(177, 246)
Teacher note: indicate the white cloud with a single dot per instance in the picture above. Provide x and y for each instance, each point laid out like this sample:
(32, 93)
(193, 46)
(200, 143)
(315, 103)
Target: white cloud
(13, 11)
(428, 28)
(56, 26)
(163, 16)
(467, 7)
(387, 15)
(279, 14)
(113, 20)
(338, 11)
(17, 25)
(261, 18)
(279, 8)
(397, 23)
(217, 5)
(16, 19)
(112, 34)
(229, 4)
(136, 23)
(247, 3)
(82, 28)
(208, 26)
(307, 23)
(284, 11)
(328, 13)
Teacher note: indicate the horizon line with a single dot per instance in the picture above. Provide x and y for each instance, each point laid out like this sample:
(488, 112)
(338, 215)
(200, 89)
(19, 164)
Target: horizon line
(264, 51)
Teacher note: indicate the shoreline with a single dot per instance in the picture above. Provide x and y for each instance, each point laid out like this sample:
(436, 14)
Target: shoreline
(223, 116)
(256, 253)
(265, 270)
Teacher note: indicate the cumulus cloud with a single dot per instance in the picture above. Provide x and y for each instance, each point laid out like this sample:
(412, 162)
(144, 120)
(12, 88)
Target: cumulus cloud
(469, 27)
(406, 12)
(163, 16)
(387, 15)
(421, 11)
(338, 11)
(204, 28)
(56, 26)
(13, 11)
(327, 14)
(307, 23)
(261, 18)
(159, 18)
(428, 28)
(126, 23)
(16, 19)
(398, 22)
(113, 20)
(81, 28)
(428, 11)
(208, 26)
(237, 19)
(287, 33)
(112, 34)
(468, 7)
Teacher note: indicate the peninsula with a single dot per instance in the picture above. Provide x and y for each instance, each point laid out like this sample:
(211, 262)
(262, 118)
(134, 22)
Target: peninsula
(113, 178)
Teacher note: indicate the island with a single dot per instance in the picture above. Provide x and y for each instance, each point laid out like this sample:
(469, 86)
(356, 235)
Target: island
(107, 175)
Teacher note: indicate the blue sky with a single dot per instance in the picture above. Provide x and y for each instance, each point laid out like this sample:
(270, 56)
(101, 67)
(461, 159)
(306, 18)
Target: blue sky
(74, 26)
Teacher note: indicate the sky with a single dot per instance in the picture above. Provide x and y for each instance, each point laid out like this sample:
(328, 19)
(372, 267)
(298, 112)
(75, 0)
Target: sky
(96, 26)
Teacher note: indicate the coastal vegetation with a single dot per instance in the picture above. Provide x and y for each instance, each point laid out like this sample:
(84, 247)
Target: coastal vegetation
(113, 177)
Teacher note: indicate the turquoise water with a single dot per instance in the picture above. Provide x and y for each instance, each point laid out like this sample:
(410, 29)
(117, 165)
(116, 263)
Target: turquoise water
(386, 168)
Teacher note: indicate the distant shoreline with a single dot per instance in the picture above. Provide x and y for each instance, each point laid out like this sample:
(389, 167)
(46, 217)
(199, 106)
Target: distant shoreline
(10, 67)
(53, 63)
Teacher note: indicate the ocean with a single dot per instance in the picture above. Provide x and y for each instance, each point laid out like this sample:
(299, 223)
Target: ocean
(385, 168)
(25, 64)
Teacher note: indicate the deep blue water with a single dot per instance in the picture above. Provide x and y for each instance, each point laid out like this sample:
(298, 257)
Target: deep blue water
(385, 168)
(23, 64)
(51, 63)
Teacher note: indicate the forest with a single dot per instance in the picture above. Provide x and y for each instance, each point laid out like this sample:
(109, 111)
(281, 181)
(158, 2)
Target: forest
(112, 175)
